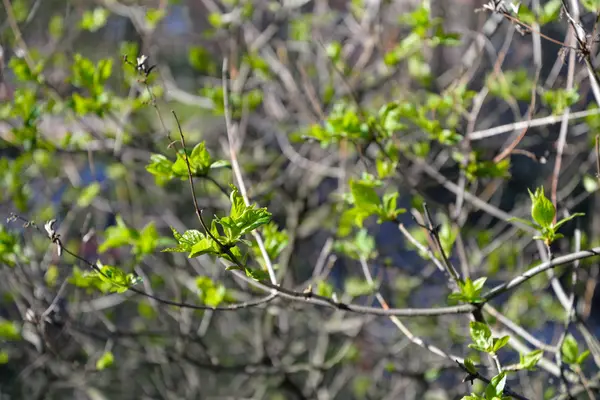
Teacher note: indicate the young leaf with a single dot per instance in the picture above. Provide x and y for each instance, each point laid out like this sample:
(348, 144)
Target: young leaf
(581, 358)
(530, 360)
(324, 289)
(470, 366)
(365, 196)
(542, 209)
(500, 343)
(9, 330)
(496, 387)
(569, 349)
(105, 361)
(204, 246)
(567, 219)
(481, 335)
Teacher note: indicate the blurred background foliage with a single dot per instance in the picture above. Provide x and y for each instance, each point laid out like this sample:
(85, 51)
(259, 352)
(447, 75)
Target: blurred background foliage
(87, 139)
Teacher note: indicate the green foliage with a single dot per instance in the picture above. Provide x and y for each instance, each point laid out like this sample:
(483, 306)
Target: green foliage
(514, 84)
(20, 9)
(483, 340)
(95, 19)
(570, 351)
(275, 242)
(356, 287)
(146, 310)
(558, 100)
(543, 213)
(259, 65)
(361, 246)
(201, 60)
(550, 11)
(425, 31)
(324, 289)
(210, 293)
(9, 330)
(590, 183)
(56, 27)
(10, 249)
(88, 194)
(475, 168)
(51, 275)
(248, 100)
(530, 360)
(470, 366)
(154, 16)
(225, 233)
(493, 391)
(343, 122)
(143, 242)
(470, 291)
(366, 202)
(361, 385)
(106, 279)
(591, 5)
(92, 77)
(105, 361)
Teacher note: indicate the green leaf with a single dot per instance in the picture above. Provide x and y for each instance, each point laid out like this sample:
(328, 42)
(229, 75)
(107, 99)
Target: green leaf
(201, 60)
(590, 183)
(567, 219)
(324, 289)
(160, 166)
(364, 195)
(496, 386)
(204, 246)
(550, 11)
(569, 349)
(530, 360)
(591, 5)
(469, 291)
(3, 357)
(88, 194)
(481, 335)
(56, 27)
(559, 99)
(526, 222)
(105, 361)
(356, 287)
(275, 241)
(542, 209)
(220, 164)
(115, 280)
(146, 310)
(9, 330)
(117, 236)
(257, 274)
(500, 343)
(582, 357)
(215, 19)
(361, 246)
(470, 366)
(210, 293)
(94, 20)
(478, 283)
(200, 159)
(447, 235)
(147, 240)
(154, 16)
(243, 219)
